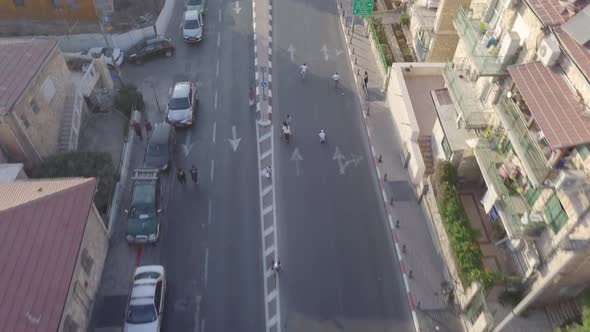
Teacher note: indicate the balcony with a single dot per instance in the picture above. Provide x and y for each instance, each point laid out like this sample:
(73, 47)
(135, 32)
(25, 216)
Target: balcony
(504, 181)
(527, 148)
(463, 93)
(473, 34)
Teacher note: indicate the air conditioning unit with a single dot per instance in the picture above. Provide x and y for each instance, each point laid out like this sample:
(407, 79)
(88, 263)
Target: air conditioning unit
(570, 180)
(549, 51)
(509, 47)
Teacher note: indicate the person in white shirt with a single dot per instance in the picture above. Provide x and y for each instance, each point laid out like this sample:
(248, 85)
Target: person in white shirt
(336, 77)
(303, 70)
(322, 135)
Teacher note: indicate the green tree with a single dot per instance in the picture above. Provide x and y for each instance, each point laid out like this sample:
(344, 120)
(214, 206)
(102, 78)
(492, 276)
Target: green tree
(128, 99)
(82, 164)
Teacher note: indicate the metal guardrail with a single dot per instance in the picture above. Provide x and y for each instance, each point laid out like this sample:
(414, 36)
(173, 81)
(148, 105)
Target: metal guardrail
(377, 43)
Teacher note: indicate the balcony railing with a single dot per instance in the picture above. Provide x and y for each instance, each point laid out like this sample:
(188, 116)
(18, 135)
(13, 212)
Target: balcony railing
(489, 161)
(526, 147)
(471, 34)
(465, 100)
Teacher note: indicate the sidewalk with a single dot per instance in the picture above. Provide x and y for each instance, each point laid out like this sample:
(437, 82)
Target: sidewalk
(422, 267)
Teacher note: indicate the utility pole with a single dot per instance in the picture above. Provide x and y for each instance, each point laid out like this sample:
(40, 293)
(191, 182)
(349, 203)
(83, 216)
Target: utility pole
(100, 13)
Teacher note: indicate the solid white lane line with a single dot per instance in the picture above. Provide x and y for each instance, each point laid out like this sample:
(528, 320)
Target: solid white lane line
(218, 39)
(209, 213)
(215, 101)
(378, 173)
(217, 69)
(399, 256)
(406, 283)
(212, 169)
(214, 127)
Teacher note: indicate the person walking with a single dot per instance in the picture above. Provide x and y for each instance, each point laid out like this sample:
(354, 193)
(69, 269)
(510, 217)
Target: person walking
(322, 135)
(181, 176)
(286, 131)
(303, 71)
(276, 266)
(251, 96)
(195, 174)
(267, 172)
(336, 78)
(366, 80)
(137, 127)
(148, 128)
(288, 120)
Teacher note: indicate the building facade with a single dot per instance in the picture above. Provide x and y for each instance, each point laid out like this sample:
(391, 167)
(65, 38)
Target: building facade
(37, 97)
(83, 10)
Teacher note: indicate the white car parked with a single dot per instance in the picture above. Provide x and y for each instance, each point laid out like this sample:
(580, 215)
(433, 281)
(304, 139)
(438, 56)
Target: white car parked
(192, 26)
(105, 53)
(146, 300)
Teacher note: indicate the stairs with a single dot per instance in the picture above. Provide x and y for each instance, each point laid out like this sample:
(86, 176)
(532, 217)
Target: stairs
(424, 141)
(564, 312)
(66, 122)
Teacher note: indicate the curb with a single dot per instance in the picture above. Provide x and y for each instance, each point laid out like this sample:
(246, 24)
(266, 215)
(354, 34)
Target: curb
(403, 267)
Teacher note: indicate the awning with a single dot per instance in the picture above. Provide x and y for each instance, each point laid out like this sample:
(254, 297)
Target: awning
(579, 53)
(553, 104)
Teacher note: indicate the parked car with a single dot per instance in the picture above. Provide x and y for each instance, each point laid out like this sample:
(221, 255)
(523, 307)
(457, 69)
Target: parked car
(145, 305)
(180, 111)
(160, 147)
(149, 48)
(143, 214)
(192, 26)
(104, 53)
(198, 5)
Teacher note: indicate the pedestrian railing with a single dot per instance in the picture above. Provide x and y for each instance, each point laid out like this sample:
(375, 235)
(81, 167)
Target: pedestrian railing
(377, 43)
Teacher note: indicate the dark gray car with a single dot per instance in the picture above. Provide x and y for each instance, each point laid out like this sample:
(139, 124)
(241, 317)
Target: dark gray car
(160, 147)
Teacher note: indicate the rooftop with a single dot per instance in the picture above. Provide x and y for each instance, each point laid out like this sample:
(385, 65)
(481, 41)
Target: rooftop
(553, 104)
(580, 54)
(553, 13)
(20, 60)
(10, 172)
(42, 223)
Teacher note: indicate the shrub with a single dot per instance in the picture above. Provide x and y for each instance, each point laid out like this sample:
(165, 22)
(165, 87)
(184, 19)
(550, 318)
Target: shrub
(129, 99)
(404, 19)
(462, 238)
(82, 164)
(399, 34)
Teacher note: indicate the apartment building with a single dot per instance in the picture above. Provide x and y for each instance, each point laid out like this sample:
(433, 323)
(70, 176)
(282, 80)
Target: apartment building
(520, 82)
(83, 10)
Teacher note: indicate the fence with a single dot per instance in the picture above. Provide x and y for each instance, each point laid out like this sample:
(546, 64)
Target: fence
(377, 45)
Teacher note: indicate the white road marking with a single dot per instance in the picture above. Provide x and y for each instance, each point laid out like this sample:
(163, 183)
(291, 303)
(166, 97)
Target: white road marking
(220, 15)
(212, 169)
(266, 154)
(267, 210)
(209, 213)
(324, 50)
(215, 101)
(218, 39)
(237, 7)
(269, 250)
(234, 141)
(406, 283)
(214, 127)
(297, 158)
(268, 231)
(291, 51)
(399, 256)
(265, 136)
(217, 69)
(266, 190)
(378, 172)
(202, 326)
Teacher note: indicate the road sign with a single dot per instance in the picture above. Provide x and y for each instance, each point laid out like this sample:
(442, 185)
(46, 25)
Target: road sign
(264, 84)
(362, 7)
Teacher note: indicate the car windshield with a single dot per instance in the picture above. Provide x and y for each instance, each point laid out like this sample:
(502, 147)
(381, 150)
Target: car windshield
(145, 275)
(141, 314)
(157, 150)
(179, 103)
(194, 2)
(192, 24)
(142, 202)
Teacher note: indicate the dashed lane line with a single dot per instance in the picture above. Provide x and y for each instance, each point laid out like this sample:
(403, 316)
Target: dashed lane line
(214, 130)
(212, 169)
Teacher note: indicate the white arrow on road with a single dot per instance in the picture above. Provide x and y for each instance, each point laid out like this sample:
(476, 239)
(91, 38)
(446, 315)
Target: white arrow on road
(343, 163)
(338, 52)
(291, 51)
(235, 141)
(324, 50)
(186, 148)
(237, 7)
(297, 158)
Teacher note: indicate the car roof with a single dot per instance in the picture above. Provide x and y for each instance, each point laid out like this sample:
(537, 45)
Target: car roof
(160, 133)
(181, 89)
(191, 14)
(143, 292)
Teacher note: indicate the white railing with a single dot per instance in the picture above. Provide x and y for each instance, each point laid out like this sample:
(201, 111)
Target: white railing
(76, 119)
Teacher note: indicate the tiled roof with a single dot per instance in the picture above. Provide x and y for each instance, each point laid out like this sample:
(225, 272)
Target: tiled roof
(553, 104)
(19, 62)
(551, 12)
(41, 228)
(580, 54)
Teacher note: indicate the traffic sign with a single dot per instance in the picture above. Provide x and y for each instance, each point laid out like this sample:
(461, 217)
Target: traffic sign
(264, 84)
(362, 7)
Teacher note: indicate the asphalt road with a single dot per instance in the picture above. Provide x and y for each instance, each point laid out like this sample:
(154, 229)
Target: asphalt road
(210, 244)
(340, 272)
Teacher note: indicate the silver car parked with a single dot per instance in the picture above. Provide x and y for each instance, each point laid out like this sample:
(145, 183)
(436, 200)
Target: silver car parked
(180, 111)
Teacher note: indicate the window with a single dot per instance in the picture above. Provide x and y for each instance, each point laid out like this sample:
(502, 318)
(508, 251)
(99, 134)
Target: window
(446, 148)
(86, 261)
(494, 13)
(24, 120)
(158, 296)
(34, 106)
(555, 214)
(19, 3)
